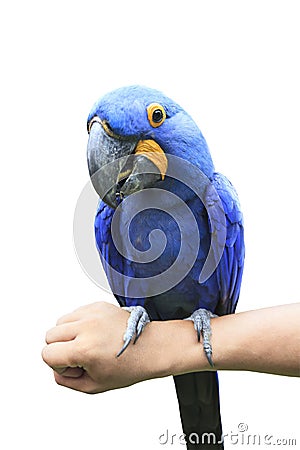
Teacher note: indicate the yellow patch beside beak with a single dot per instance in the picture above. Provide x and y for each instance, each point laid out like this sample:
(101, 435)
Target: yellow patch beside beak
(154, 152)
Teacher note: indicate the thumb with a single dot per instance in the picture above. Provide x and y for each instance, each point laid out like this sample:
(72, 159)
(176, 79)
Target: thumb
(71, 372)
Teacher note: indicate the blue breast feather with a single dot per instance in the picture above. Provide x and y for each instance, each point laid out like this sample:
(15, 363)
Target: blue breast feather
(219, 293)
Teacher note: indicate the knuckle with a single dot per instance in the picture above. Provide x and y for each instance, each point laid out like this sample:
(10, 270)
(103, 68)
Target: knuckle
(47, 355)
(61, 320)
(44, 354)
(48, 335)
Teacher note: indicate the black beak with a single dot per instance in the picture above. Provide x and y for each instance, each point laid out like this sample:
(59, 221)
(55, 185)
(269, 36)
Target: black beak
(114, 169)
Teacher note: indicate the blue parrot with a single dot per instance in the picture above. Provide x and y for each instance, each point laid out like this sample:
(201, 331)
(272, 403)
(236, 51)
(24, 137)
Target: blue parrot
(169, 230)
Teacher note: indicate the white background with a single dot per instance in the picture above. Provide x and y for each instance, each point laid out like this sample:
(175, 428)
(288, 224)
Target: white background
(234, 65)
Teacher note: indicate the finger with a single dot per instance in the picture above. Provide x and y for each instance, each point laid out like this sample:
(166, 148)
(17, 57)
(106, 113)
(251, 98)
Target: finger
(61, 333)
(60, 354)
(60, 370)
(71, 317)
(72, 372)
(81, 384)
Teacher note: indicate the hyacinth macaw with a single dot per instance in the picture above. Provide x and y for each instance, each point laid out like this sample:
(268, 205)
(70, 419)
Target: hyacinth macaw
(133, 134)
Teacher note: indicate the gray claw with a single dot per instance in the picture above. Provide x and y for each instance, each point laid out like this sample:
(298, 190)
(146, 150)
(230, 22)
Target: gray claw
(126, 343)
(201, 319)
(137, 321)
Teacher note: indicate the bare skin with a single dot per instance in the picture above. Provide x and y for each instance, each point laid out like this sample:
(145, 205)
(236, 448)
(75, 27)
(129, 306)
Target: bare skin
(82, 347)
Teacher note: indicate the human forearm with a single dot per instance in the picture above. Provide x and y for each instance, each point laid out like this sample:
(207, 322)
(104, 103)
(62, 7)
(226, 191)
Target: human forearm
(265, 340)
(82, 347)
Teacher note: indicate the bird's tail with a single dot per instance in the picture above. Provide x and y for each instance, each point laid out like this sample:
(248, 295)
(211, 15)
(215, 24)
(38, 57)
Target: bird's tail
(199, 405)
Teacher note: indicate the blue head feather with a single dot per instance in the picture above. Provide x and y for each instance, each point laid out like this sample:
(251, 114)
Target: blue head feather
(125, 109)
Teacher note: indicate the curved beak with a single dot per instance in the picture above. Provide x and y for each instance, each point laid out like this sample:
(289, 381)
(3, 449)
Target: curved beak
(106, 157)
(118, 166)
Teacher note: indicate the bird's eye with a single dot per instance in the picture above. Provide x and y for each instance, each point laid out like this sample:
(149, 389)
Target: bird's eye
(156, 114)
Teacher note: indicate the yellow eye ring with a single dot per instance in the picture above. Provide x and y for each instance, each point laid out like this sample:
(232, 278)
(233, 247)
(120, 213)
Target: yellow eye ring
(156, 114)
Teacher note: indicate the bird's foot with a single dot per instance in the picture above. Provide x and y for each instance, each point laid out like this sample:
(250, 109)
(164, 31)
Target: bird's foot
(201, 319)
(137, 321)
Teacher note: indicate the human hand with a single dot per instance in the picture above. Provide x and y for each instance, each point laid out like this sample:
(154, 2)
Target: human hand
(82, 350)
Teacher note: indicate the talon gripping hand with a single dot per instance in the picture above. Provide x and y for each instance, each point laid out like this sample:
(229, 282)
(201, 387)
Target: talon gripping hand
(169, 231)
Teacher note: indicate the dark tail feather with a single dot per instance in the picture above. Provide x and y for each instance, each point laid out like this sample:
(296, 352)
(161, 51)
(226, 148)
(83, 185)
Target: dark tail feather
(199, 405)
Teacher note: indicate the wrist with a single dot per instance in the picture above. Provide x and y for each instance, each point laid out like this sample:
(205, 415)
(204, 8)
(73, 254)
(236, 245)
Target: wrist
(158, 352)
(173, 349)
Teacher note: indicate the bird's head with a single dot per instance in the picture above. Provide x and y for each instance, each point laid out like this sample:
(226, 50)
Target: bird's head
(132, 130)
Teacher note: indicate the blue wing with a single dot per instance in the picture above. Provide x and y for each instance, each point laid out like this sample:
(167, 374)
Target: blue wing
(230, 269)
(109, 255)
